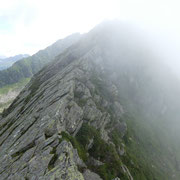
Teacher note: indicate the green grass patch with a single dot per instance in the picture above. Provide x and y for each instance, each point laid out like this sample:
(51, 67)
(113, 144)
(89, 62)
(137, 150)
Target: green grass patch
(102, 151)
(76, 145)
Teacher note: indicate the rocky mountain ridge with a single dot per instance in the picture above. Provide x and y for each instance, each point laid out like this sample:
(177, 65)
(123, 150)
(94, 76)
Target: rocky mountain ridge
(73, 121)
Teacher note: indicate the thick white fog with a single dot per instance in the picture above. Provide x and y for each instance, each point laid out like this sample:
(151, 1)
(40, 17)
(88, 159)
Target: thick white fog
(27, 26)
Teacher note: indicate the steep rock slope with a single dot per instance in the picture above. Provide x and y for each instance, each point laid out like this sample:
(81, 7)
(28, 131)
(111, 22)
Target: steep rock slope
(74, 119)
(26, 67)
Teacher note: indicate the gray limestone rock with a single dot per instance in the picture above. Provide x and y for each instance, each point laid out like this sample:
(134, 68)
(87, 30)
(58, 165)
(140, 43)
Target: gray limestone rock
(88, 175)
(121, 149)
(60, 98)
(95, 162)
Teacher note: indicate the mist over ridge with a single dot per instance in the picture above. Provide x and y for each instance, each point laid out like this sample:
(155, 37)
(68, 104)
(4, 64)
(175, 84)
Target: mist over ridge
(105, 107)
(98, 97)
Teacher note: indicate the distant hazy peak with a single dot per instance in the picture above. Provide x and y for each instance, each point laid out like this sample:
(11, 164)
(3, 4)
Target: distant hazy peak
(2, 57)
(25, 67)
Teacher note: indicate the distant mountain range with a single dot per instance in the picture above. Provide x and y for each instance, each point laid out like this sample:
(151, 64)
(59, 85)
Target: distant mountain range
(28, 66)
(7, 62)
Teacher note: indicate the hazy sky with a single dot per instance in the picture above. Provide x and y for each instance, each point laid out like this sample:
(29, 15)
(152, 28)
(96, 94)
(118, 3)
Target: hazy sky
(29, 25)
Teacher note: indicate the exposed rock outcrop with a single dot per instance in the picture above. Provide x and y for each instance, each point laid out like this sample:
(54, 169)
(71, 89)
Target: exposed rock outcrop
(88, 175)
(60, 98)
(71, 120)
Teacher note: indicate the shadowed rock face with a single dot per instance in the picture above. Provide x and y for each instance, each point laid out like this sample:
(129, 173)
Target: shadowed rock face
(68, 122)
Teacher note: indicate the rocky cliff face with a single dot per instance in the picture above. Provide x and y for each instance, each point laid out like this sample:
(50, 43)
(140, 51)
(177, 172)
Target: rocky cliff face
(70, 121)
